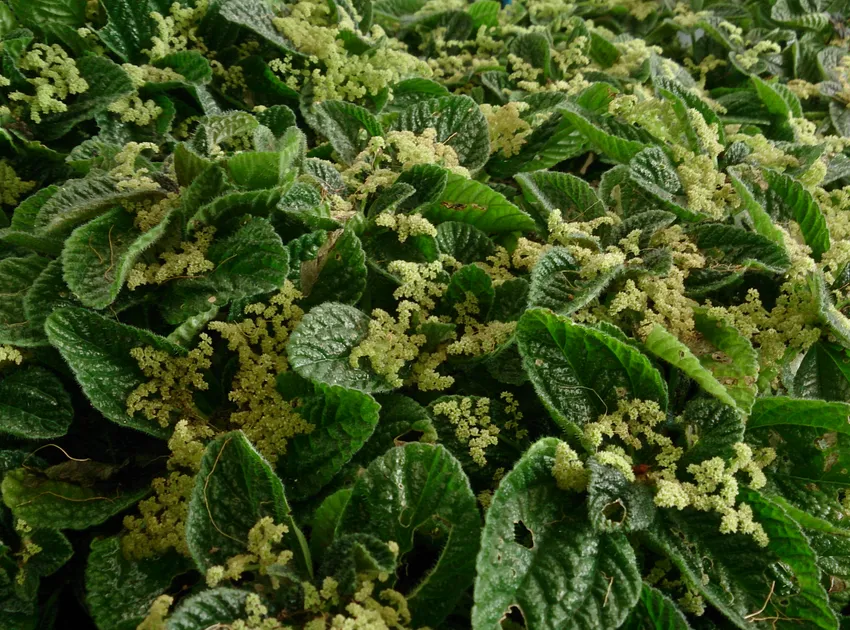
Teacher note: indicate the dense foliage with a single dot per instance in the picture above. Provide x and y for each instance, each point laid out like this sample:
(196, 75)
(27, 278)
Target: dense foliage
(395, 314)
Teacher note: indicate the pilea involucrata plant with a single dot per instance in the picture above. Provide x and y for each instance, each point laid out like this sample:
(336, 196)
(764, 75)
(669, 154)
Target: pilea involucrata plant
(407, 314)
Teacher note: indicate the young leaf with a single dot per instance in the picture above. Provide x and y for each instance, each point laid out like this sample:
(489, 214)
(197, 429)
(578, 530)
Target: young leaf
(666, 346)
(779, 410)
(797, 203)
(413, 489)
(469, 201)
(618, 149)
(552, 191)
(569, 576)
(657, 611)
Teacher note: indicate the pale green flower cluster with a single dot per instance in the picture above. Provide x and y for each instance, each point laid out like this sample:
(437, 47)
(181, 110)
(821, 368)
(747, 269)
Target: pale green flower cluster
(58, 77)
(473, 424)
(12, 187)
(263, 552)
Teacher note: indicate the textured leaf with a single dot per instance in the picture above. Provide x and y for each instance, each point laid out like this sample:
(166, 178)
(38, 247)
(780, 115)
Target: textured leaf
(466, 281)
(798, 204)
(320, 345)
(337, 274)
(459, 124)
(655, 611)
(469, 201)
(43, 502)
(47, 293)
(614, 504)
(234, 489)
(78, 201)
(465, 242)
(347, 127)
(99, 255)
(34, 405)
(255, 16)
(420, 488)
(97, 350)
(21, 230)
(579, 372)
(119, 591)
(429, 182)
(129, 29)
(484, 13)
(225, 209)
(107, 82)
(208, 609)
(324, 522)
(570, 576)
(257, 170)
(653, 172)
(715, 427)
(343, 419)
(35, 13)
(250, 261)
(556, 283)
(666, 346)
(618, 149)
(16, 277)
(739, 247)
(552, 191)
(742, 575)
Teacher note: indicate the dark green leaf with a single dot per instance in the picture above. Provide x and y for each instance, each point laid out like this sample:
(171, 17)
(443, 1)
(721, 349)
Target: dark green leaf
(34, 405)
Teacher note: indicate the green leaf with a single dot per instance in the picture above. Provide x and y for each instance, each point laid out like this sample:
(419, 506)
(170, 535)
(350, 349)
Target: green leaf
(466, 281)
(654, 173)
(80, 200)
(797, 203)
(464, 242)
(337, 273)
(420, 488)
(256, 16)
(738, 247)
(469, 201)
(35, 13)
(824, 373)
(21, 230)
(34, 405)
(580, 372)
(324, 522)
(347, 127)
(343, 419)
(459, 123)
(741, 576)
(97, 350)
(353, 554)
(615, 504)
(234, 489)
(107, 82)
(655, 611)
(779, 410)
(554, 191)
(250, 261)
(737, 365)
(762, 223)
(99, 255)
(836, 321)
(188, 165)
(534, 49)
(208, 609)
(227, 208)
(190, 64)
(484, 13)
(16, 277)
(618, 149)
(556, 283)
(119, 591)
(715, 428)
(47, 293)
(129, 29)
(775, 101)
(53, 504)
(667, 347)
(569, 577)
(257, 170)
(320, 345)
